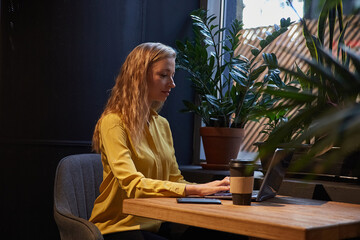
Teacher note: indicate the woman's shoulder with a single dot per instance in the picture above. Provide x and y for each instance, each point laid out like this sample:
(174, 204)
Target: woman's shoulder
(162, 122)
(161, 119)
(110, 120)
(111, 116)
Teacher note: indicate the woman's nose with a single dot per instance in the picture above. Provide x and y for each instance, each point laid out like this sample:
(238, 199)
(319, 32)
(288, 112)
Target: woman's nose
(172, 83)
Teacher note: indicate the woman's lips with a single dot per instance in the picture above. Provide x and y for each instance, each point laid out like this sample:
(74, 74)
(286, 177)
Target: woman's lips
(167, 93)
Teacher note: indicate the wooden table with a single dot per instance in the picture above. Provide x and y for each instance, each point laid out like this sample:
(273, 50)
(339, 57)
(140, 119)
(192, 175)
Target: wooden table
(278, 218)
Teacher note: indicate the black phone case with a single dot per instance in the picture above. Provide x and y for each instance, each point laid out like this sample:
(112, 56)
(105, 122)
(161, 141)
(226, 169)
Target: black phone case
(199, 200)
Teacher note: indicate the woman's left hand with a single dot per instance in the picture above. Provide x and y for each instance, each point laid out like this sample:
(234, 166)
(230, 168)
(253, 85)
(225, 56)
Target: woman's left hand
(208, 188)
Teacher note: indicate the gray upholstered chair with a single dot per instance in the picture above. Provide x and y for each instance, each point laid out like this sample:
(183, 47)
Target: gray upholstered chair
(77, 182)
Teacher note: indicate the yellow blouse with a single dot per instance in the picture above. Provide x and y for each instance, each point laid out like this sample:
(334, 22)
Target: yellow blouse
(150, 170)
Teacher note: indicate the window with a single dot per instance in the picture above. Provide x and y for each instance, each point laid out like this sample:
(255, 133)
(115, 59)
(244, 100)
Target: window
(268, 12)
(253, 14)
(261, 13)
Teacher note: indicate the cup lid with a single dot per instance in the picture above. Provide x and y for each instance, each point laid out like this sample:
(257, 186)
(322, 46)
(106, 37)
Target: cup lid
(240, 162)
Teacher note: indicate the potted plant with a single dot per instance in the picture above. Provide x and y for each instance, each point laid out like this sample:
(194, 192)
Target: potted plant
(330, 109)
(274, 118)
(227, 87)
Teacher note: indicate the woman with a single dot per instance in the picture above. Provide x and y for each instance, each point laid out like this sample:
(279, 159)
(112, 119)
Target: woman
(136, 145)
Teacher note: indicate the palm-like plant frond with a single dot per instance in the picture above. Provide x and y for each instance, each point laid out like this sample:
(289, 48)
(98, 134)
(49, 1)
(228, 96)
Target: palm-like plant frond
(225, 83)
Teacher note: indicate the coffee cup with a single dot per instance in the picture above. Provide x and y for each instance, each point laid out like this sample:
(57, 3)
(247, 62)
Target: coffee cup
(241, 180)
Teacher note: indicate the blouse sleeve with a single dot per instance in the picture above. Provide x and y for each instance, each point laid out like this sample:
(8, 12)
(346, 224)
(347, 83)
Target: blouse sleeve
(175, 173)
(116, 146)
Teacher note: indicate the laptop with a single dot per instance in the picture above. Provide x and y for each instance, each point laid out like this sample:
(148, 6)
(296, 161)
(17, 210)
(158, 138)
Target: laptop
(272, 180)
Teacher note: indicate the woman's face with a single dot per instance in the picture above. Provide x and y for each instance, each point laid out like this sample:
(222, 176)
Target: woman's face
(160, 79)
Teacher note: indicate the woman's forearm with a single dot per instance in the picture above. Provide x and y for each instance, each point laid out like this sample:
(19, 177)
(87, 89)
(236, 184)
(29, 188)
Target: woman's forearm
(208, 188)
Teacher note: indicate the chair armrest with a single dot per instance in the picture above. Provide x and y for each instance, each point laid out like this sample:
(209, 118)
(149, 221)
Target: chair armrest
(75, 228)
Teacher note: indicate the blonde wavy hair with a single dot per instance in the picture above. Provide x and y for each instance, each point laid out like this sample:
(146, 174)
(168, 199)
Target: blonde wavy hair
(129, 96)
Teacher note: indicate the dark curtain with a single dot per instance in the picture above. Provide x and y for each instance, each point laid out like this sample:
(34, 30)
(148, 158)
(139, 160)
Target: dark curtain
(58, 61)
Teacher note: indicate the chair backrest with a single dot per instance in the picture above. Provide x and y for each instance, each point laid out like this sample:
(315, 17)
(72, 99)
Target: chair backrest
(77, 182)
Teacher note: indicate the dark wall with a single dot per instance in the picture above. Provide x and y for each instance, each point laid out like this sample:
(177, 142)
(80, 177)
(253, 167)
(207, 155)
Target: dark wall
(59, 59)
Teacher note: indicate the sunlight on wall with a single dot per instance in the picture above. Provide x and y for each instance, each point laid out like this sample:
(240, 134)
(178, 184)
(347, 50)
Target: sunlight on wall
(269, 12)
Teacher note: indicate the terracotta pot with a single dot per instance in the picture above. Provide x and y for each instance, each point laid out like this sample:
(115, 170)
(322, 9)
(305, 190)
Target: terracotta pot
(221, 144)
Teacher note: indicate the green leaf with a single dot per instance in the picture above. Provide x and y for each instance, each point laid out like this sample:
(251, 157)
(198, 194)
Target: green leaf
(274, 76)
(255, 51)
(309, 41)
(263, 43)
(284, 23)
(212, 100)
(320, 69)
(270, 59)
(344, 78)
(270, 38)
(303, 97)
(256, 72)
(180, 45)
(276, 27)
(354, 57)
(342, 42)
(339, 9)
(304, 84)
(190, 107)
(209, 42)
(321, 23)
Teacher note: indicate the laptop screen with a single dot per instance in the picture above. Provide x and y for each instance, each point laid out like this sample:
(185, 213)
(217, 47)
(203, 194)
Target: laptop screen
(275, 173)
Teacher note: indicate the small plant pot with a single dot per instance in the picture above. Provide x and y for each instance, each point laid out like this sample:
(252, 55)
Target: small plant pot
(221, 145)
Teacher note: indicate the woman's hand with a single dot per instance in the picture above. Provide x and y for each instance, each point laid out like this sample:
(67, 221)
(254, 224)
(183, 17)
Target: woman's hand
(208, 188)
